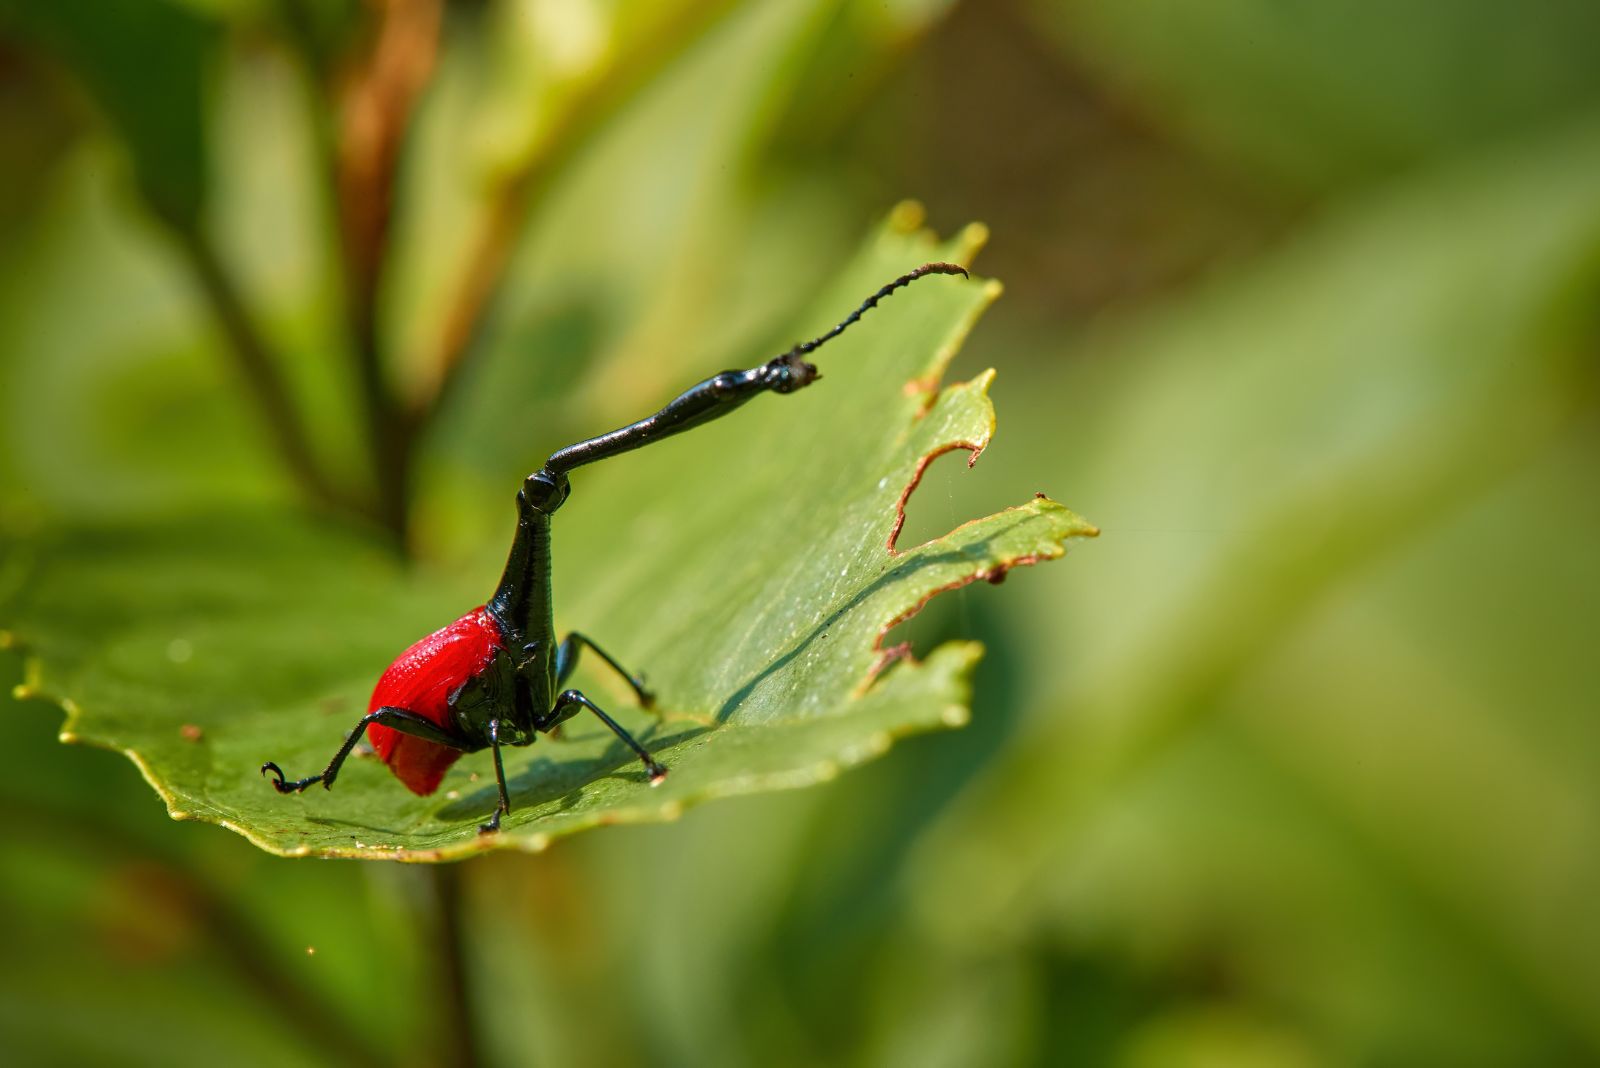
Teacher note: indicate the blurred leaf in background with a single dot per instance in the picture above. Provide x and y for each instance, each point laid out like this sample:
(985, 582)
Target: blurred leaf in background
(1294, 767)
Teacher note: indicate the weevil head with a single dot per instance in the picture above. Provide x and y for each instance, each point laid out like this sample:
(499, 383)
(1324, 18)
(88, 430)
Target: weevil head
(789, 372)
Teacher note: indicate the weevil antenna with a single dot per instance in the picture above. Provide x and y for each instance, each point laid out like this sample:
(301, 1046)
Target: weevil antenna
(807, 347)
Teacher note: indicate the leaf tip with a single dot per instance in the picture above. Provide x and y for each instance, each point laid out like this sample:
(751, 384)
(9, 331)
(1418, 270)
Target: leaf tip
(907, 216)
(969, 243)
(1074, 525)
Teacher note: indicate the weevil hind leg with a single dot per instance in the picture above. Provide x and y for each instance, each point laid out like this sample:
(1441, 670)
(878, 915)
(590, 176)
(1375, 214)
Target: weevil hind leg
(401, 719)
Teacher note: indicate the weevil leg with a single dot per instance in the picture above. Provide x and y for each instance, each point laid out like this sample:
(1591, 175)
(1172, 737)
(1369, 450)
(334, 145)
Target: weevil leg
(567, 706)
(401, 719)
(504, 808)
(567, 660)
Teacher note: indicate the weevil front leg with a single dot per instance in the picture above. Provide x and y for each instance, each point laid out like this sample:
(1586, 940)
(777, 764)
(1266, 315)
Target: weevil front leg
(567, 660)
(401, 719)
(572, 701)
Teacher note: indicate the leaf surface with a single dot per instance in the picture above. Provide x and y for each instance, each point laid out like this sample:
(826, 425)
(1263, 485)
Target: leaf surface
(749, 569)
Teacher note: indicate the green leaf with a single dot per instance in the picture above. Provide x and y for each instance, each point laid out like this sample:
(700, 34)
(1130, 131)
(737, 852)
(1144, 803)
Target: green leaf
(749, 569)
(143, 62)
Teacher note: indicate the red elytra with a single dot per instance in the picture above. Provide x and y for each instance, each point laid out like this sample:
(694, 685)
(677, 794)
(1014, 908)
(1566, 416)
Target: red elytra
(421, 681)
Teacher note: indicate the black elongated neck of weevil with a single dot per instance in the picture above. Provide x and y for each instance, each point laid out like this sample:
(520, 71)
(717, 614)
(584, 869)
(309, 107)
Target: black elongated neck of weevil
(521, 603)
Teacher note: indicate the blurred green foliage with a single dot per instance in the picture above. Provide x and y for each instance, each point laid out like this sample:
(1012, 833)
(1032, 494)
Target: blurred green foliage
(1295, 766)
(156, 108)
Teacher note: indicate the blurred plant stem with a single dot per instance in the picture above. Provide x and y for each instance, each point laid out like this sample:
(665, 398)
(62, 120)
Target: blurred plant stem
(457, 1038)
(378, 102)
(255, 364)
(375, 95)
(517, 194)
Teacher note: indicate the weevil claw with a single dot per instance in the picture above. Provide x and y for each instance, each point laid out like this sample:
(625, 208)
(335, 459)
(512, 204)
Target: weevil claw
(281, 783)
(658, 773)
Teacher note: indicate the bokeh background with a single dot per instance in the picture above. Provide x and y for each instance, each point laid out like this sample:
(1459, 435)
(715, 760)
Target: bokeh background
(1299, 764)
